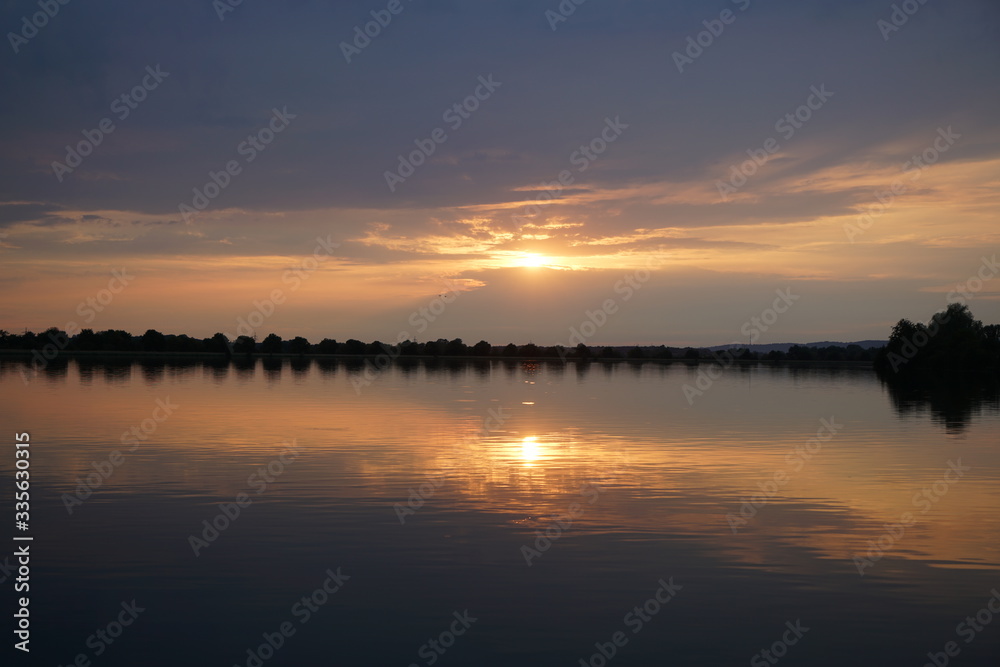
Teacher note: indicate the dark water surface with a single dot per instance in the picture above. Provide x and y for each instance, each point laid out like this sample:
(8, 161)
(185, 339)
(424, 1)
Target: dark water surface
(427, 492)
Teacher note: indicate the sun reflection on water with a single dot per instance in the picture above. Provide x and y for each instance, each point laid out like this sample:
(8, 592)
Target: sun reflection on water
(530, 450)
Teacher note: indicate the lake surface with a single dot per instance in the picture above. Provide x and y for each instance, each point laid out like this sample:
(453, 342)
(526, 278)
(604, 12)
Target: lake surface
(503, 514)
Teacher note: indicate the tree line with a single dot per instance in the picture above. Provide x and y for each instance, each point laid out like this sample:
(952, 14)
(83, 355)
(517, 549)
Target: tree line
(119, 341)
(951, 339)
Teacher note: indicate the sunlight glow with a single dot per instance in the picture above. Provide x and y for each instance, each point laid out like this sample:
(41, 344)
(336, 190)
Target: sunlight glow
(531, 259)
(529, 448)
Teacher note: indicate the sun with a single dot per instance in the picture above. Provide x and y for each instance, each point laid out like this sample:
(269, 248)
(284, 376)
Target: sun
(531, 260)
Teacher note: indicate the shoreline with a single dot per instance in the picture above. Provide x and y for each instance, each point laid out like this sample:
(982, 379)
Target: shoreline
(122, 355)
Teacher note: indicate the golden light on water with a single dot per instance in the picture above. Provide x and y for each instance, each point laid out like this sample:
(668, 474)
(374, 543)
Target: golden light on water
(700, 467)
(530, 449)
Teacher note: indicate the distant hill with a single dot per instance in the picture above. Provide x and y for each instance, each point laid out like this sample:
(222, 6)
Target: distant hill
(784, 347)
(652, 351)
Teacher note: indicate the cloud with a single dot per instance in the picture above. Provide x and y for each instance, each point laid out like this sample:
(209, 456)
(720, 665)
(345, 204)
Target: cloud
(17, 212)
(480, 198)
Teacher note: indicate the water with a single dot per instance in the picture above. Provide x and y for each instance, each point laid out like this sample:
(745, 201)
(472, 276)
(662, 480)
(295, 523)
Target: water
(426, 493)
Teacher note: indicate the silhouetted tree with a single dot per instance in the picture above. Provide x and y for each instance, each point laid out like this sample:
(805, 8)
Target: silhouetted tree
(951, 364)
(87, 340)
(482, 349)
(271, 344)
(435, 347)
(327, 346)
(182, 343)
(582, 351)
(154, 341)
(411, 348)
(55, 336)
(831, 353)
(510, 350)
(29, 340)
(354, 346)
(218, 343)
(299, 345)
(456, 348)
(245, 345)
(952, 340)
(800, 353)
(115, 340)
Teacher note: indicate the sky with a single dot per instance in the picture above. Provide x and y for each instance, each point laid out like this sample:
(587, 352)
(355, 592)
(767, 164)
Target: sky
(634, 172)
